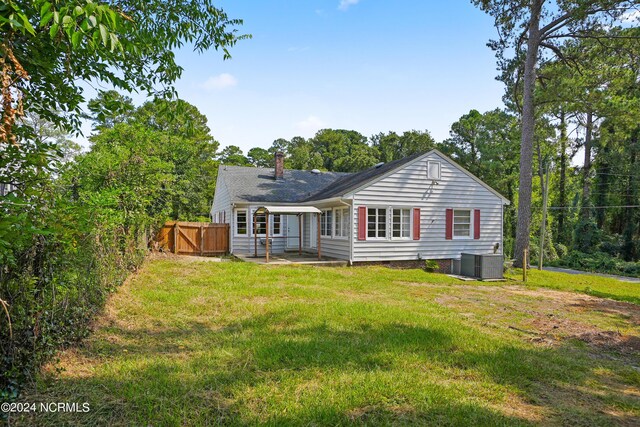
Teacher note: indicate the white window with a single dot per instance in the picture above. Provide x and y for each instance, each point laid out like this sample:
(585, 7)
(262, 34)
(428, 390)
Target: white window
(326, 223)
(377, 222)
(241, 222)
(462, 223)
(274, 224)
(401, 226)
(341, 223)
(433, 170)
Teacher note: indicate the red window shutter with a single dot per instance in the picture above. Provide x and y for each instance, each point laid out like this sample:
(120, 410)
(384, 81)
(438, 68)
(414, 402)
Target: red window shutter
(416, 223)
(476, 224)
(362, 223)
(449, 225)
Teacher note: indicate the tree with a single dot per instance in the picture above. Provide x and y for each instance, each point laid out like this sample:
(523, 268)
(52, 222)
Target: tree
(394, 147)
(110, 108)
(232, 155)
(49, 48)
(259, 157)
(343, 150)
(529, 30)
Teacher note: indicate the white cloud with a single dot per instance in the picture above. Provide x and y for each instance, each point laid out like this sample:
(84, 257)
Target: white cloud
(345, 4)
(220, 82)
(310, 125)
(631, 17)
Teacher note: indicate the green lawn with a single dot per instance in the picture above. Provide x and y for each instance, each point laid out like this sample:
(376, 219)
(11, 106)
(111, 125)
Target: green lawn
(241, 344)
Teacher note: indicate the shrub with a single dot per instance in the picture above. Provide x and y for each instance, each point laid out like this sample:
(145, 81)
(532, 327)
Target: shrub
(561, 250)
(598, 262)
(431, 266)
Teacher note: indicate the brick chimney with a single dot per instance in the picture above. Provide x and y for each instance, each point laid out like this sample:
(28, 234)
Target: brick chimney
(279, 165)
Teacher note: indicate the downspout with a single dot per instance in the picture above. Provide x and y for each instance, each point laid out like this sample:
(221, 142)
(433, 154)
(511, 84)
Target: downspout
(353, 223)
(502, 229)
(232, 227)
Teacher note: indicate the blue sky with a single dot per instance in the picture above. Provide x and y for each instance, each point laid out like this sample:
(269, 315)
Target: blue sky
(368, 65)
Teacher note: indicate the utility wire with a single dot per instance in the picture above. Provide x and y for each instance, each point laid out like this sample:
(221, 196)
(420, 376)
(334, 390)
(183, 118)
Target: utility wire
(593, 207)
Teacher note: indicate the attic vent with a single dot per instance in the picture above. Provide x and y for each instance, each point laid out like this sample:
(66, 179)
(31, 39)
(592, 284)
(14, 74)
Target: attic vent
(316, 171)
(378, 165)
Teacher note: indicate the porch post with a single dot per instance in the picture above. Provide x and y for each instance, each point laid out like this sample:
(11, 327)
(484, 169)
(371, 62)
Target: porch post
(300, 234)
(255, 237)
(319, 240)
(266, 223)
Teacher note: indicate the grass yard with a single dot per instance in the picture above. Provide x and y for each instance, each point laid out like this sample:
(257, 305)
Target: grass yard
(187, 343)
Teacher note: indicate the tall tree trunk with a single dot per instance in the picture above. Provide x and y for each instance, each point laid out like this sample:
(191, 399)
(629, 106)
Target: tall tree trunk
(586, 170)
(528, 135)
(562, 196)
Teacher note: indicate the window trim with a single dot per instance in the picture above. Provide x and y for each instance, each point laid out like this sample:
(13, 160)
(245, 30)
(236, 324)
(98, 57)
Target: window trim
(271, 224)
(235, 225)
(402, 208)
(429, 162)
(386, 236)
(344, 214)
(323, 223)
(453, 224)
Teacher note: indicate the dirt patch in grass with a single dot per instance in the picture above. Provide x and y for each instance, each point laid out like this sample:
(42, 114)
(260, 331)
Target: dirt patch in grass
(550, 316)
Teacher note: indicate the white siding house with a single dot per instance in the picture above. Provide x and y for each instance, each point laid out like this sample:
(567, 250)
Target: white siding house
(422, 207)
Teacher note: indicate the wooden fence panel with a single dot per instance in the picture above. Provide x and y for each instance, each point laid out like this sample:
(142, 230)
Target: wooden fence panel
(194, 238)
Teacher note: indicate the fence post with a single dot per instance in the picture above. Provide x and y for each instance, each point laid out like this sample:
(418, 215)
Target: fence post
(176, 231)
(201, 239)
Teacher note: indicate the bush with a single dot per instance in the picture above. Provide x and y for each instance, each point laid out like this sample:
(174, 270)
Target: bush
(58, 284)
(598, 262)
(561, 250)
(431, 266)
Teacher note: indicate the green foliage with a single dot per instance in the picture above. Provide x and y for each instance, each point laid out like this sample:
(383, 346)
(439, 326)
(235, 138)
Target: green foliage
(260, 157)
(127, 45)
(431, 266)
(233, 155)
(69, 234)
(392, 146)
(599, 262)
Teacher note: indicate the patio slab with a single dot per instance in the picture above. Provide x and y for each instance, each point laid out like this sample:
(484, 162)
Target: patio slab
(293, 258)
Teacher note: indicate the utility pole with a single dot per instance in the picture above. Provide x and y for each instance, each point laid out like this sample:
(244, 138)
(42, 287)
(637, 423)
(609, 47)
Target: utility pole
(543, 227)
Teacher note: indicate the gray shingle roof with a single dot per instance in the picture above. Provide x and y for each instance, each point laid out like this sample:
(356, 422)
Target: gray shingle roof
(248, 184)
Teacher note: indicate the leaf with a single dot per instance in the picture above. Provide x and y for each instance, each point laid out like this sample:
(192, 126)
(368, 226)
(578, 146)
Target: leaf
(92, 21)
(75, 39)
(104, 33)
(67, 21)
(27, 25)
(53, 30)
(46, 6)
(46, 18)
(114, 41)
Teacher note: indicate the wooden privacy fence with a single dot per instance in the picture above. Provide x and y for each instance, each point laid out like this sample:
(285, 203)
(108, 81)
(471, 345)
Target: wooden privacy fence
(194, 238)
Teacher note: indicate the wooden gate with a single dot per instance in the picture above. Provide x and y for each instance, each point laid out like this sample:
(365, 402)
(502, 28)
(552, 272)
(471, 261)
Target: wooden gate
(194, 238)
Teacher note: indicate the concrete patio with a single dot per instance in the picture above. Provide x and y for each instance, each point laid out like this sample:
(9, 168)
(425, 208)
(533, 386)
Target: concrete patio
(293, 258)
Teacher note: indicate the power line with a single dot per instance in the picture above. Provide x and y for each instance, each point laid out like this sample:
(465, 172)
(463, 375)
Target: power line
(594, 207)
(617, 174)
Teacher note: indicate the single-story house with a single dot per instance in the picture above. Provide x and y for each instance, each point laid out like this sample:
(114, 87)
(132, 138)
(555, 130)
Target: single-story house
(425, 206)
